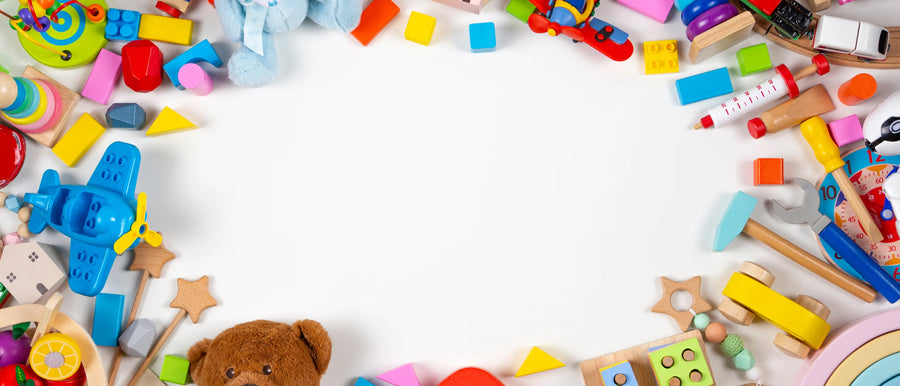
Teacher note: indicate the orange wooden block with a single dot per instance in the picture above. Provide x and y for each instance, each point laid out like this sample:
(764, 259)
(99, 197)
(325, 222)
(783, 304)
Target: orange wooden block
(374, 18)
(768, 171)
(857, 89)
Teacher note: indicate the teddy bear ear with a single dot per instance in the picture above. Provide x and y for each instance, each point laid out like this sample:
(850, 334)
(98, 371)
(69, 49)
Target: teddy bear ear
(196, 355)
(314, 335)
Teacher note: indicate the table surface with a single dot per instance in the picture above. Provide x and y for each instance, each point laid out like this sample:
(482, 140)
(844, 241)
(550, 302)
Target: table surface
(451, 209)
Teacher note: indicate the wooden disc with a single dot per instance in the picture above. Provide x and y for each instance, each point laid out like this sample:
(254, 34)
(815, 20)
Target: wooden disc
(620, 379)
(668, 361)
(696, 376)
(791, 346)
(757, 272)
(688, 355)
(735, 312)
(814, 306)
(674, 381)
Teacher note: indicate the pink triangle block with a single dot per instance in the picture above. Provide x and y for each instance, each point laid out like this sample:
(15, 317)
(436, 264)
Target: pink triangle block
(402, 376)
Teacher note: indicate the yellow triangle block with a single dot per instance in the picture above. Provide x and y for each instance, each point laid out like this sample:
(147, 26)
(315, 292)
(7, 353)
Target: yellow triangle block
(538, 361)
(168, 122)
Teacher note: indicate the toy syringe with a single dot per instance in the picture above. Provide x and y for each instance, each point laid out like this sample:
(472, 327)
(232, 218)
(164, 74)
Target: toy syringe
(781, 84)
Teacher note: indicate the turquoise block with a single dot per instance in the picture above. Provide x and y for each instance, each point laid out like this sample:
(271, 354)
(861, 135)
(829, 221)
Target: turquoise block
(881, 372)
(482, 37)
(703, 86)
(108, 311)
(739, 210)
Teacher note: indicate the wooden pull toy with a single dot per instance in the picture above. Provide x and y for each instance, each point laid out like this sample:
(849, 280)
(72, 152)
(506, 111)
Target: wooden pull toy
(792, 112)
(150, 260)
(827, 153)
(192, 299)
(737, 220)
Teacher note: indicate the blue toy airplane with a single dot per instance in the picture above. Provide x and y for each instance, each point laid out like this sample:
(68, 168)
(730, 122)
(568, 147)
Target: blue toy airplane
(102, 217)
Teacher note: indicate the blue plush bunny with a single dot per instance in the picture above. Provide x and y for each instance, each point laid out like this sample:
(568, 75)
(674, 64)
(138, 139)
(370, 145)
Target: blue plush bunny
(253, 22)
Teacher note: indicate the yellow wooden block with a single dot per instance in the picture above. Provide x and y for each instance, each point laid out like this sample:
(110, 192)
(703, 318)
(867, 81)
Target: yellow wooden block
(166, 29)
(777, 309)
(420, 28)
(538, 361)
(76, 142)
(169, 122)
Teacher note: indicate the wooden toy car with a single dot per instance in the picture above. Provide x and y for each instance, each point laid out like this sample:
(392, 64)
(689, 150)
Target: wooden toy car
(747, 294)
(852, 37)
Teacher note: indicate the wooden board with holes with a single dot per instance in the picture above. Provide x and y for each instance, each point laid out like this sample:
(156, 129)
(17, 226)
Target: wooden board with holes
(804, 45)
(637, 355)
(68, 97)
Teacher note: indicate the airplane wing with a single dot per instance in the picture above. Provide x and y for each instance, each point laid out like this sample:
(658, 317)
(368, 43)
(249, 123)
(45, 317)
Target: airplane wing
(118, 169)
(543, 6)
(89, 267)
(603, 40)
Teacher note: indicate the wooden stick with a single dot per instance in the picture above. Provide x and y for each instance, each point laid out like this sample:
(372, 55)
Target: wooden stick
(117, 360)
(162, 340)
(810, 262)
(856, 203)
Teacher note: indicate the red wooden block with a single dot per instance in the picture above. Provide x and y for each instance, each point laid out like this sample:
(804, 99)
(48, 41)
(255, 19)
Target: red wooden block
(768, 171)
(374, 18)
(471, 376)
(142, 63)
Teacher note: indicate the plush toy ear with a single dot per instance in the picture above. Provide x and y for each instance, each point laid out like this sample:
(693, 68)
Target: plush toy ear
(314, 335)
(196, 355)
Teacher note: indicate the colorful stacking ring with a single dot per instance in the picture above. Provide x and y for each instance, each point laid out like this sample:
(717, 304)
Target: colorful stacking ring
(697, 8)
(713, 17)
(50, 116)
(26, 90)
(35, 114)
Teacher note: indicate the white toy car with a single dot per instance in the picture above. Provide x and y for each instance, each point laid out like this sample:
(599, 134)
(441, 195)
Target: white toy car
(852, 37)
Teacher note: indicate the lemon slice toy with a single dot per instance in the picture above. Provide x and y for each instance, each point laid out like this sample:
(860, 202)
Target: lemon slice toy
(55, 357)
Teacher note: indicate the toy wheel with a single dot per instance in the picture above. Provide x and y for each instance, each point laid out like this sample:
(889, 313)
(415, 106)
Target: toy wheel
(736, 312)
(757, 272)
(55, 357)
(814, 306)
(791, 346)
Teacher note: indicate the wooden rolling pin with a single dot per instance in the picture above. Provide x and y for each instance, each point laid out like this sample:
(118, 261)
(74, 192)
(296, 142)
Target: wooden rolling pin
(792, 112)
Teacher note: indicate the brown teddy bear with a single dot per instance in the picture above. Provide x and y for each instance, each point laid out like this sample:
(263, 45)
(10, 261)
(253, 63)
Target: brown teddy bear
(262, 353)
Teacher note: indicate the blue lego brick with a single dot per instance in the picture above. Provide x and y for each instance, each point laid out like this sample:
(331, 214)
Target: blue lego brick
(122, 24)
(108, 311)
(201, 52)
(13, 203)
(624, 368)
(482, 37)
(703, 86)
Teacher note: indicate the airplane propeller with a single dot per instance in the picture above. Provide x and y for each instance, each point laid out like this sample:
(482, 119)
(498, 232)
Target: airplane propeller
(540, 24)
(139, 229)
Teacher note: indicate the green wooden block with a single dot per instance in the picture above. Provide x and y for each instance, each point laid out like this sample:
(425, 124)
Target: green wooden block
(754, 59)
(521, 9)
(683, 360)
(175, 370)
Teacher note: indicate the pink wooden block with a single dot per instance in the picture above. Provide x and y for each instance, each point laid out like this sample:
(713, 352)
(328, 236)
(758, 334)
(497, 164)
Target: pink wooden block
(106, 72)
(846, 130)
(843, 342)
(655, 9)
(402, 376)
(194, 78)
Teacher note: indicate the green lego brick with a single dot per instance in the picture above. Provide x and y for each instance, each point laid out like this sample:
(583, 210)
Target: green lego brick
(175, 370)
(754, 59)
(686, 359)
(521, 9)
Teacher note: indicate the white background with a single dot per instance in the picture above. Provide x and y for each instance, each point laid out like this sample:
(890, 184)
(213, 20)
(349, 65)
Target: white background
(435, 206)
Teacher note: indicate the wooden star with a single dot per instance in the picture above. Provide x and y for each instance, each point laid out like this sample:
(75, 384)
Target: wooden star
(683, 318)
(151, 259)
(193, 297)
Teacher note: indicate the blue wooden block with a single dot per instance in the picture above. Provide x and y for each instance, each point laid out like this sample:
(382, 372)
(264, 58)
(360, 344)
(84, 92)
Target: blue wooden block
(108, 311)
(880, 372)
(609, 374)
(482, 37)
(362, 382)
(122, 24)
(704, 86)
(732, 224)
(126, 116)
(201, 52)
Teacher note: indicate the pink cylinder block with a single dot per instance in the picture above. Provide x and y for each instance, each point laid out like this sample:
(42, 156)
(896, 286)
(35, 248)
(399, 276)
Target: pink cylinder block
(194, 78)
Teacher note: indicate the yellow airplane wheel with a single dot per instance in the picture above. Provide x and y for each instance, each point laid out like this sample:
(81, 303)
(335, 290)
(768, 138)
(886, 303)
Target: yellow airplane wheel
(55, 357)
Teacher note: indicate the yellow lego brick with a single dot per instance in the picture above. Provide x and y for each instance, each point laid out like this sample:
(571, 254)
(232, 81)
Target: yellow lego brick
(420, 28)
(777, 309)
(72, 146)
(166, 29)
(660, 56)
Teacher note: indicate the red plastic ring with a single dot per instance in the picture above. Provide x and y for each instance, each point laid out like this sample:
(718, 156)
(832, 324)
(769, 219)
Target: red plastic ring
(822, 66)
(168, 9)
(793, 90)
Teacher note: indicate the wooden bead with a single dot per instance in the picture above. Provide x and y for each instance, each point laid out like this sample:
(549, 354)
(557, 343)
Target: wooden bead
(791, 346)
(757, 272)
(25, 214)
(716, 332)
(23, 231)
(3, 195)
(735, 312)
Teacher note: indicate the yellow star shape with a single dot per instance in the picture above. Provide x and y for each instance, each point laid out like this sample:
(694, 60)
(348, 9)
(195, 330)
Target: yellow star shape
(193, 297)
(685, 317)
(151, 259)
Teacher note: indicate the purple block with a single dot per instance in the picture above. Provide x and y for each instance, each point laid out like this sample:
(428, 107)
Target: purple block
(846, 130)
